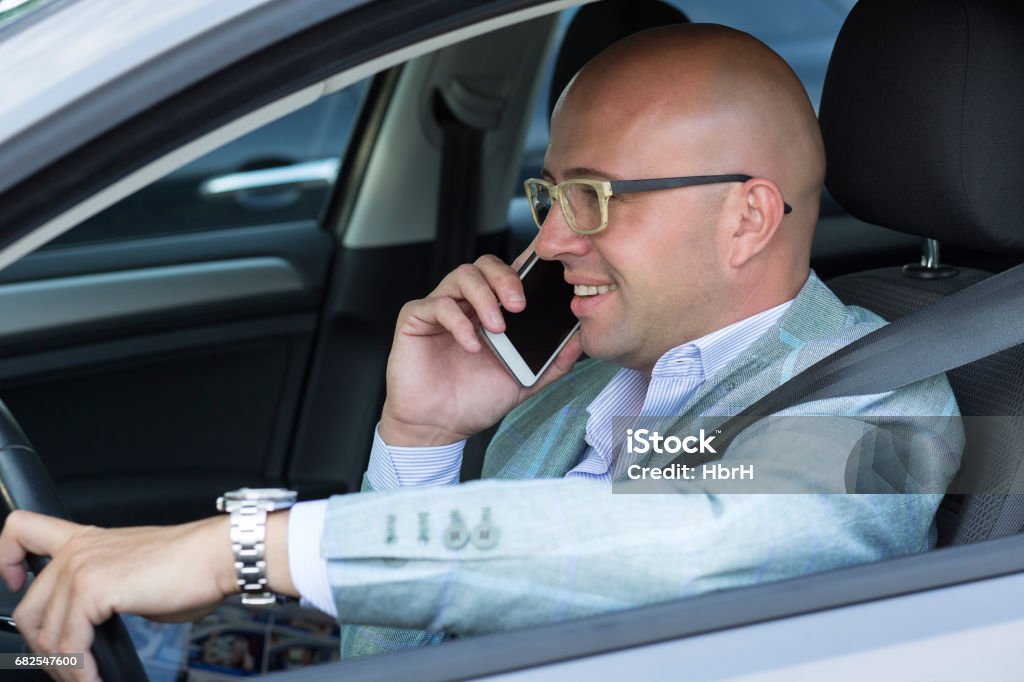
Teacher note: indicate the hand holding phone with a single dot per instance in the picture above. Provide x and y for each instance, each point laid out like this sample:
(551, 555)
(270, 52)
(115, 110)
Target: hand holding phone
(442, 385)
(533, 338)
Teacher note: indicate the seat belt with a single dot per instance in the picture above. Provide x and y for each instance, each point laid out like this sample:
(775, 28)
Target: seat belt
(464, 117)
(931, 340)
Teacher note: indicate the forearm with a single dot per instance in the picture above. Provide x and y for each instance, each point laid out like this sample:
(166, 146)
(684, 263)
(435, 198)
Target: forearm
(568, 550)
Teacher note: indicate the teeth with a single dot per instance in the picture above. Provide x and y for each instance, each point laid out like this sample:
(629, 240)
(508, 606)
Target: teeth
(584, 290)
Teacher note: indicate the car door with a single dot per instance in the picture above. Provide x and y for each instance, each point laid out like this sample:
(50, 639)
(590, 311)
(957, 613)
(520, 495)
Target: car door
(157, 352)
(228, 324)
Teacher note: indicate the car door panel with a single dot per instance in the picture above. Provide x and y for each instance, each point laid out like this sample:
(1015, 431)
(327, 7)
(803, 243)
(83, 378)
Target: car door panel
(149, 388)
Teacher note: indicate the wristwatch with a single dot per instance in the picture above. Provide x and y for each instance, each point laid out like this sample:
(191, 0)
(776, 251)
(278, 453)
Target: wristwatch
(248, 508)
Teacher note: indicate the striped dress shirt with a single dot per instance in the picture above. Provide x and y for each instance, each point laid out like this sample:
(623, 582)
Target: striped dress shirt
(675, 378)
(673, 381)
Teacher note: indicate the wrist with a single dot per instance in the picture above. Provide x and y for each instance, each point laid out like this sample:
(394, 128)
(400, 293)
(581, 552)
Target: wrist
(257, 535)
(216, 538)
(398, 433)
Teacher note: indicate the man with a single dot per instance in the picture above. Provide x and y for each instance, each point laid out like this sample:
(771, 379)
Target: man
(695, 301)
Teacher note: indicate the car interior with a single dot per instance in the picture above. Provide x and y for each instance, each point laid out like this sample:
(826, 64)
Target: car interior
(154, 365)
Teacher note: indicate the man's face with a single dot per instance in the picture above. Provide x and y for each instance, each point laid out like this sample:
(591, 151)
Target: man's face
(660, 255)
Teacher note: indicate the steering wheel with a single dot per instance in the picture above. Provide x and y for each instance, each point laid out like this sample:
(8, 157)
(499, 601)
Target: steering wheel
(25, 484)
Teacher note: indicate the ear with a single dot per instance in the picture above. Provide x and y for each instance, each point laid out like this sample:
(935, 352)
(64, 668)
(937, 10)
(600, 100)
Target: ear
(761, 212)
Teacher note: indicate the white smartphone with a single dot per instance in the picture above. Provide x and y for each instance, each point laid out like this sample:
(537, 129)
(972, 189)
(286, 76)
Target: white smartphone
(533, 337)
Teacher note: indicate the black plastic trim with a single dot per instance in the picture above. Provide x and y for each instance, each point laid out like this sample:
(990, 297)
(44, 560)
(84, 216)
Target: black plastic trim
(302, 243)
(31, 365)
(546, 644)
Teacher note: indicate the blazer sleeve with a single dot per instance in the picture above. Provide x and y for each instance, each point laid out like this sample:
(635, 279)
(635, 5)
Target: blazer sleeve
(494, 555)
(371, 640)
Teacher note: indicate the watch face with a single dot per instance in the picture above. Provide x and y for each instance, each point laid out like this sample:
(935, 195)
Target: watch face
(271, 498)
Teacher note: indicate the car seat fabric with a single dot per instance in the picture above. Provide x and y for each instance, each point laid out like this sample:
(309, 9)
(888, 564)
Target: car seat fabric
(990, 386)
(920, 113)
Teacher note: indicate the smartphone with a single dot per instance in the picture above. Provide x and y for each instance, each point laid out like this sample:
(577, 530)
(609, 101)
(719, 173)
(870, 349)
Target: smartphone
(533, 337)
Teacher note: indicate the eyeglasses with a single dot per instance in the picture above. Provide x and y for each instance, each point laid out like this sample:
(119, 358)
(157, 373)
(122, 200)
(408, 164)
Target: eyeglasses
(585, 202)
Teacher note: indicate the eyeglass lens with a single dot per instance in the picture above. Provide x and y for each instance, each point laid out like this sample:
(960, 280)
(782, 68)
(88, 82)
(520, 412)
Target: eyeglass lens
(584, 204)
(540, 197)
(579, 201)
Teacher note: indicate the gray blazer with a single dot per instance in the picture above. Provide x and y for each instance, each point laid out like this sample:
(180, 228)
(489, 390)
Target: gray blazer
(415, 564)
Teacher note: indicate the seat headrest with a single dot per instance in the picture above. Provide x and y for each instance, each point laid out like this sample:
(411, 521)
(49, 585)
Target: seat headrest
(923, 117)
(599, 25)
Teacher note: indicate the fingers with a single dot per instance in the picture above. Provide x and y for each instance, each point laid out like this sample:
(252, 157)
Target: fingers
(469, 293)
(29, 533)
(87, 674)
(78, 636)
(426, 315)
(13, 575)
(45, 612)
(505, 280)
(485, 283)
(48, 615)
(57, 613)
(475, 287)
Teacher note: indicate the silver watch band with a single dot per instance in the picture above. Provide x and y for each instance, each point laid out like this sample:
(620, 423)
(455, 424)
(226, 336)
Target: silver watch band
(249, 508)
(249, 542)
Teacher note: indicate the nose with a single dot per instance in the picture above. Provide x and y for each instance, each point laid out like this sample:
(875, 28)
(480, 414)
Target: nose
(556, 239)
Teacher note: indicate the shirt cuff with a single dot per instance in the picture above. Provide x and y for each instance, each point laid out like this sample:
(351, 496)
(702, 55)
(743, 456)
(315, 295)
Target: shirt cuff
(308, 569)
(394, 467)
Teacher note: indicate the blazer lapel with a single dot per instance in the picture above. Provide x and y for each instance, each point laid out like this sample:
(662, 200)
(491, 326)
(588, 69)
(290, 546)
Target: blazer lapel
(815, 312)
(554, 446)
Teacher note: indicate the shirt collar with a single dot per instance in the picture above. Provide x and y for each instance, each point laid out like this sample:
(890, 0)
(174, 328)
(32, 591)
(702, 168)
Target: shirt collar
(706, 356)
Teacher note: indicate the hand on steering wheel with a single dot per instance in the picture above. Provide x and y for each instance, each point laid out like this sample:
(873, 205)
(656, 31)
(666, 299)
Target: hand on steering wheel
(24, 484)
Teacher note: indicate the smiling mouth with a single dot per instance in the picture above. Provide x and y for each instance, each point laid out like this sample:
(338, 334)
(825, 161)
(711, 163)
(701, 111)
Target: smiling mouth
(584, 290)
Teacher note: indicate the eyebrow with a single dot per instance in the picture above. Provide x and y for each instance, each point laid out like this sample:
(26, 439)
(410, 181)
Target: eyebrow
(582, 172)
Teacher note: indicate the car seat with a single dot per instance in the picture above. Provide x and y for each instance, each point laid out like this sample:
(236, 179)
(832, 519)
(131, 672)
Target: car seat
(921, 113)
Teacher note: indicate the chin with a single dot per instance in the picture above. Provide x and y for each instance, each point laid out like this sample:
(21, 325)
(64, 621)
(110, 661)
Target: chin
(597, 345)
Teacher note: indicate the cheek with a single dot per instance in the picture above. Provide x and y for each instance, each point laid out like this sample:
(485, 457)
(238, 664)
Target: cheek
(659, 246)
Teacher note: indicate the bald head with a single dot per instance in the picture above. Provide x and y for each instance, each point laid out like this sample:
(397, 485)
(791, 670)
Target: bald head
(721, 88)
(679, 263)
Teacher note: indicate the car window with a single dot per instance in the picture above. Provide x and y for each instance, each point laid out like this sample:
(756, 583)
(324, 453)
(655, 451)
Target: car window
(282, 172)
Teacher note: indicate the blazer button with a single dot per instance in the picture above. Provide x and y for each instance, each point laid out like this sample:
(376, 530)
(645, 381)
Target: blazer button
(486, 534)
(456, 535)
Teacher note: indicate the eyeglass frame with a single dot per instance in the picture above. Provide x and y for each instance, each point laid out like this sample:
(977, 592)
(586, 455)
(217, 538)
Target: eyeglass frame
(605, 189)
